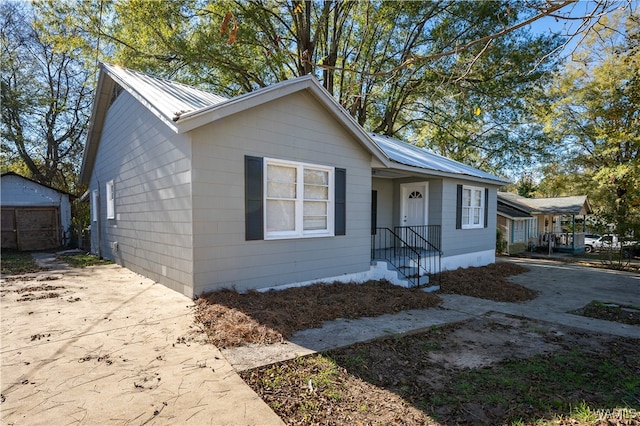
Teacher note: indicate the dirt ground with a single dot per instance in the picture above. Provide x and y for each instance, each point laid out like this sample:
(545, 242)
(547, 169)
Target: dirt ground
(497, 369)
(494, 370)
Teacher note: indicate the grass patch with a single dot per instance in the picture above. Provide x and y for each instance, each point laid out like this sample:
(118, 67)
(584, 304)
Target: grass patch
(82, 260)
(610, 312)
(18, 262)
(392, 383)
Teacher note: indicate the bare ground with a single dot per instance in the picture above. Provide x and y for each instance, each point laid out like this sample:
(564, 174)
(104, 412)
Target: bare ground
(497, 370)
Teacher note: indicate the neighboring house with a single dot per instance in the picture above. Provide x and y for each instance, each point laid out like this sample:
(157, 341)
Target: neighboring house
(34, 216)
(277, 187)
(539, 222)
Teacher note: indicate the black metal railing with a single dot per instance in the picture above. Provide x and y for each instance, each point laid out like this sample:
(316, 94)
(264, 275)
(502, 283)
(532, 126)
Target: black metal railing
(426, 239)
(421, 234)
(407, 250)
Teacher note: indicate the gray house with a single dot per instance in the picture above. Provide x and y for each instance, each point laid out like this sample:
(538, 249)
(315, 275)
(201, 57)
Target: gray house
(278, 187)
(34, 216)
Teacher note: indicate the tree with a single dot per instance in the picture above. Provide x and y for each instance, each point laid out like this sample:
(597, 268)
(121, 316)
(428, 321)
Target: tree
(596, 119)
(459, 77)
(45, 95)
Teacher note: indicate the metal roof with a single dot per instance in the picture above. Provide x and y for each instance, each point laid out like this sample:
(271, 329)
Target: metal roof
(411, 155)
(170, 98)
(179, 104)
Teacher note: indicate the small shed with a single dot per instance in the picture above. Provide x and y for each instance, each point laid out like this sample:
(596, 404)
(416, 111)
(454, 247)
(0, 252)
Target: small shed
(34, 216)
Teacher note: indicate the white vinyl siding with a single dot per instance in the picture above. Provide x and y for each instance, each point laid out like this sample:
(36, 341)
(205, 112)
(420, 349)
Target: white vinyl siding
(111, 200)
(472, 207)
(298, 199)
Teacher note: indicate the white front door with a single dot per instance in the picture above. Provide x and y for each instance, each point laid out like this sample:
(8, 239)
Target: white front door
(413, 210)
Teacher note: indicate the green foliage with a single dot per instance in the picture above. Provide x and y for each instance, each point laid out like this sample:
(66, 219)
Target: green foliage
(596, 113)
(45, 97)
(452, 76)
(18, 262)
(82, 260)
(501, 243)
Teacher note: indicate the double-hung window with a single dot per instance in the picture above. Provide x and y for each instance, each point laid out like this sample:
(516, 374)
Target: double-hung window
(111, 200)
(298, 199)
(94, 205)
(473, 201)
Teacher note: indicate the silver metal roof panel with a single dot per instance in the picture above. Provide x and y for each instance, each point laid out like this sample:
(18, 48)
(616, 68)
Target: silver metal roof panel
(170, 98)
(411, 155)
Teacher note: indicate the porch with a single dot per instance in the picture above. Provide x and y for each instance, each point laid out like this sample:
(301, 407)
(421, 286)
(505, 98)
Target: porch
(413, 251)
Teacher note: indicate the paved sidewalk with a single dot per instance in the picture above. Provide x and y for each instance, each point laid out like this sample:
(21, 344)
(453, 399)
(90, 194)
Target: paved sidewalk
(104, 345)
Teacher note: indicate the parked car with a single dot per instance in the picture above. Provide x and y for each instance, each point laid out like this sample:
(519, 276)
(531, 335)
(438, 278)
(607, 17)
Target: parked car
(589, 241)
(607, 242)
(612, 242)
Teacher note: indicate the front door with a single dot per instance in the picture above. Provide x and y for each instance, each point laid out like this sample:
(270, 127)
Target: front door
(413, 209)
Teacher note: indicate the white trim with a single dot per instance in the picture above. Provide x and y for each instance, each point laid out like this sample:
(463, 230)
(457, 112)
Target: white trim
(111, 199)
(478, 258)
(472, 190)
(299, 201)
(404, 190)
(94, 205)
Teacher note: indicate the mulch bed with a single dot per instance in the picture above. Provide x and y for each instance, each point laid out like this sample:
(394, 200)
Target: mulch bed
(233, 319)
(487, 282)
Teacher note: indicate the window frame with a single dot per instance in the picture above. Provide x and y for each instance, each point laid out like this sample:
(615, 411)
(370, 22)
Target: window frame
(471, 208)
(299, 200)
(111, 199)
(94, 205)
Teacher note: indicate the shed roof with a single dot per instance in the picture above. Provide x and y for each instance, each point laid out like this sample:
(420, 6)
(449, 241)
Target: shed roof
(572, 205)
(184, 108)
(6, 174)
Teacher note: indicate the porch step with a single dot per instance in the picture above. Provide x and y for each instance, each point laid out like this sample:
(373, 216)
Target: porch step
(395, 276)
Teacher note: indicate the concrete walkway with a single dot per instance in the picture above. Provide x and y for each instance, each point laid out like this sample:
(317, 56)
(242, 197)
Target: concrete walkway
(104, 345)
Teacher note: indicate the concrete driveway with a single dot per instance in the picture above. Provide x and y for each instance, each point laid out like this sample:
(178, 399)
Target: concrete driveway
(103, 345)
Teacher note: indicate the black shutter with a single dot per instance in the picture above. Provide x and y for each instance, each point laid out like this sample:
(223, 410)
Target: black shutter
(253, 198)
(340, 198)
(459, 208)
(486, 207)
(374, 212)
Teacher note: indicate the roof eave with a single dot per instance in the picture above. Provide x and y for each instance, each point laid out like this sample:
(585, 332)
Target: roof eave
(440, 173)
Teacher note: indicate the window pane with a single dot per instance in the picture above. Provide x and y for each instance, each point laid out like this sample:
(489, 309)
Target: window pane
(476, 216)
(281, 173)
(312, 192)
(317, 177)
(465, 215)
(281, 181)
(315, 223)
(315, 208)
(477, 201)
(281, 215)
(281, 190)
(466, 197)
